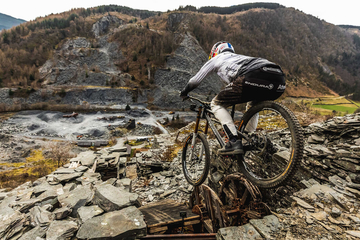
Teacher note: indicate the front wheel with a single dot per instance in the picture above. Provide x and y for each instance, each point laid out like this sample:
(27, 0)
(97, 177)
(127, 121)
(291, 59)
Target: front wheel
(196, 159)
(274, 148)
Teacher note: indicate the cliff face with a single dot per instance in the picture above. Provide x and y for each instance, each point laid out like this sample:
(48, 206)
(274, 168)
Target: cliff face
(187, 60)
(81, 62)
(78, 62)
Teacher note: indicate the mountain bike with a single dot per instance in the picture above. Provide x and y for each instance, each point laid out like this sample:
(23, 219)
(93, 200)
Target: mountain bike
(272, 141)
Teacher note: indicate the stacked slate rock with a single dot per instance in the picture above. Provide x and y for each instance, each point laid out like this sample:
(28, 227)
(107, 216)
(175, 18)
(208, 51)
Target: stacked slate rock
(333, 147)
(327, 210)
(72, 202)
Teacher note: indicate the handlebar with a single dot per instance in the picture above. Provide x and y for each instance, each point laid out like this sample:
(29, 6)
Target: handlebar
(205, 104)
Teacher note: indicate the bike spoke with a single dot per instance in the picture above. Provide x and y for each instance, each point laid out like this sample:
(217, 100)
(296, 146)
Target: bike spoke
(267, 152)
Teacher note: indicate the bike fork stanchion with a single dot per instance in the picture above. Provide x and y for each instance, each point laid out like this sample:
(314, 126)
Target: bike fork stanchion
(193, 141)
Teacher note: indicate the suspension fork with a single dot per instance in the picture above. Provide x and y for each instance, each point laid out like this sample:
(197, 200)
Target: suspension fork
(198, 117)
(195, 133)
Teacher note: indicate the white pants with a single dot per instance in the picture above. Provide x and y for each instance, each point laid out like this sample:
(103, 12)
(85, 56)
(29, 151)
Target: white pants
(224, 117)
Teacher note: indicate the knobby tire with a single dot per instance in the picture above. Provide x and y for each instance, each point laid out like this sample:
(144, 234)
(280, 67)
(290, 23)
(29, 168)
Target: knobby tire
(297, 145)
(205, 172)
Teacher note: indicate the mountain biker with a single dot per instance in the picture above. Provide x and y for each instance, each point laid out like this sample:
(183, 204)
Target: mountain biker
(246, 78)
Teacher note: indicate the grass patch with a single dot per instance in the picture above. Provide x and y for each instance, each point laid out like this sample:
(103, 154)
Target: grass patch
(170, 153)
(134, 142)
(337, 108)
(36, 166)
(6, 115)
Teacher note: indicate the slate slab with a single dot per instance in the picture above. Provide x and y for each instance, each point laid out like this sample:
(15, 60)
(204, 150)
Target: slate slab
(25, 205)
(62, 213)
(62, 178)
(40, 217)
(349, 166)
(267, 226)
(85, 158)
(303, 204)
(127, 224)
(81, 169)
(37, 232)
(11, 224)
(246, 231)
(88, 212)
(89, 177)
(76, 198)
(121, 149)
(60, 230)
(111, 198)
(63, 170)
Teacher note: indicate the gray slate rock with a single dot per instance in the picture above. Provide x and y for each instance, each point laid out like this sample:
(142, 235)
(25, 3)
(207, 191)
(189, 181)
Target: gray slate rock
(49, 196)
(246, 231)
(88, 212)
(303, 204)
(61, 230)
(62, 178)
(81, 169)
(37, 232)
(40, 217)
(43, 187)
(111, 198)
(76, 198)
(63, 170)
(89, 177)
(124, 224)
(85, 158)
(69, 187)
(11, 224)
(267, 226)
(62, 213)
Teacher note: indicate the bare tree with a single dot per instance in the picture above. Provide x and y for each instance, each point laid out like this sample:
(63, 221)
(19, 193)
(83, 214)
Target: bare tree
(60, 152)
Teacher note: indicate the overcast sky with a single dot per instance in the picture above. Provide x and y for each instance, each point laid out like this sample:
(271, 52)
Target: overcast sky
(335, 12)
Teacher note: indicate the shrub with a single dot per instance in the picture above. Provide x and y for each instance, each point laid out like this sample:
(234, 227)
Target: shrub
(134, 58)
(62, 93)
(60, 152)
(157, 130)
(357, 110)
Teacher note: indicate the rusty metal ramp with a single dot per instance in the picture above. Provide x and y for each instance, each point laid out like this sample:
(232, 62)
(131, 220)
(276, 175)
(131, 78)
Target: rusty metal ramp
(164, 216)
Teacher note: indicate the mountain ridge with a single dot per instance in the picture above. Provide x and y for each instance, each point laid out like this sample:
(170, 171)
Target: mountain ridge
(7, 21)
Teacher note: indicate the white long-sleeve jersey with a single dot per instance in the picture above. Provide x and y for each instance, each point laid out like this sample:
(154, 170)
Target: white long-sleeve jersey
(228, 66)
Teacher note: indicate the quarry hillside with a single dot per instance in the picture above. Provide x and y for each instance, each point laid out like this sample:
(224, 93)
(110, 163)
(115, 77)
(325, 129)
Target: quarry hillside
(114, 54)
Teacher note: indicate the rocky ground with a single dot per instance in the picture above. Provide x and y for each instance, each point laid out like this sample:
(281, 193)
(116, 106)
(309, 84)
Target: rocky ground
(90, 195)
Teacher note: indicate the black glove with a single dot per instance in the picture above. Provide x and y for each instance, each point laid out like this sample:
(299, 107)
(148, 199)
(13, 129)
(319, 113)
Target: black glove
(184, 92)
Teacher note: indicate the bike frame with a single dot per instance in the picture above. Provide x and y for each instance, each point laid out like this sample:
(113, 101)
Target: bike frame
(203, 113)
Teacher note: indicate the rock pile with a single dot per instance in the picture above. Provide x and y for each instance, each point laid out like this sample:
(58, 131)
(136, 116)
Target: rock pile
(83, 200)
(73, 201)
(89, 197)
(333, 147)
(327, 210)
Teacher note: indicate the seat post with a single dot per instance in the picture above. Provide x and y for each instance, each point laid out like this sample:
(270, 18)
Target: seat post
(233, 112)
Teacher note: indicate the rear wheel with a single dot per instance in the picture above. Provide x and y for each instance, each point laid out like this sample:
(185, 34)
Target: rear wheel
(196, 159)
(274, 148)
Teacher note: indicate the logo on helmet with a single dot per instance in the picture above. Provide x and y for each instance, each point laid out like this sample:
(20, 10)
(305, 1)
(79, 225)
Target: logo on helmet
(221, 47)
